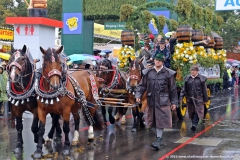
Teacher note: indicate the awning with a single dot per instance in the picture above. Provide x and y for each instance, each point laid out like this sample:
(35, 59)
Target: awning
(99, 32)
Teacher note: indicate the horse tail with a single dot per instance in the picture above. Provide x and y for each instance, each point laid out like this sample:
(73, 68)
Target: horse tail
(98, 120)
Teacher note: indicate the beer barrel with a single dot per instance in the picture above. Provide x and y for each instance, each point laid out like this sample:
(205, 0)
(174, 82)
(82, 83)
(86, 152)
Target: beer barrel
(218, 43)
(127, 38)
(197, 35)
(39, 3)
(211, 43)
(184, 33)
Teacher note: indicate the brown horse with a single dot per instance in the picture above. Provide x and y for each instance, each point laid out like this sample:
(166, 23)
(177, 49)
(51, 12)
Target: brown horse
(111, 80)
(134, 78)
(21, 91)
(67, 93)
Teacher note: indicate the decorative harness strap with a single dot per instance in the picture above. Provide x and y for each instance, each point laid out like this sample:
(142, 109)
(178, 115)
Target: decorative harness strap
(81, 99)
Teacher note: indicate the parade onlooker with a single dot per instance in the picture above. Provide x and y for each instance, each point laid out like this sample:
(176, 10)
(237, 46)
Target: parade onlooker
(3, 84)
(233, 75)
(173, 42)
(167, 43)
(161, 49)
(236, 73)
(225, 79)
(159, 38)
(146, 51)
(159, 82)
(195, 91)
(230, 77)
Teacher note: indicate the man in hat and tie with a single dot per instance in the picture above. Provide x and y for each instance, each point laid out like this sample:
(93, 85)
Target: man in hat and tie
(195, 91)
(159, 83)
(162, 49)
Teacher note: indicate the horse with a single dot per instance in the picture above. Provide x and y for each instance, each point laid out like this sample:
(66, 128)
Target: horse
(20, 88)
(111, 80)
(67, 93)
(134, 78)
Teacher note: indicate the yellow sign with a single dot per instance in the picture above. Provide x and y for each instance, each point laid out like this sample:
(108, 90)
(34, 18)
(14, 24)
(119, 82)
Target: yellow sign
(6, 34)
(111, 34)
(72, 23)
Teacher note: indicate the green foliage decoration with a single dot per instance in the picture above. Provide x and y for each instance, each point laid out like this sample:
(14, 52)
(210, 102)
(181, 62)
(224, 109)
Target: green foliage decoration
(106, 9)
(125, 12)
(220, 21)
(184, 7)
(209, 16)
(174, 24)
(162, 21)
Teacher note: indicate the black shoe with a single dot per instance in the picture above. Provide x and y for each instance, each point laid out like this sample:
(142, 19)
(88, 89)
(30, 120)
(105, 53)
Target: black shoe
(157, 143)
(193, 128)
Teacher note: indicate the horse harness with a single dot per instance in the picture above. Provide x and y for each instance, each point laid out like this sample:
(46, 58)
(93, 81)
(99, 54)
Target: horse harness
(14, 96)
(63, 91)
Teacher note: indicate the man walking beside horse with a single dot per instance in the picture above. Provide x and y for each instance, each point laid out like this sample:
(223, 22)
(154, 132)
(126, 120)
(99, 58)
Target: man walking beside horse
(159, 82)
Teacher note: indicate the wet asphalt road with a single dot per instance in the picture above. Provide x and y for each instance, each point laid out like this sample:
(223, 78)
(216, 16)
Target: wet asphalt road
(217, 137)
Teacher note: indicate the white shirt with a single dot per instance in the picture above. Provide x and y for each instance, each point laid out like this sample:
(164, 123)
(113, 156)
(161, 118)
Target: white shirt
(194, 77)
(159, 69)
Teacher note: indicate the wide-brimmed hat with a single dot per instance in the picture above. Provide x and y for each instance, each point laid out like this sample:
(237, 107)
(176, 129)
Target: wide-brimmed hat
(159, 57)
(162, 41)
(194, 68)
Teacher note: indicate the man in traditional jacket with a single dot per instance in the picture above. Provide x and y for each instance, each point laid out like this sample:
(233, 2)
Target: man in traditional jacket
(161, 90)
(195, 90)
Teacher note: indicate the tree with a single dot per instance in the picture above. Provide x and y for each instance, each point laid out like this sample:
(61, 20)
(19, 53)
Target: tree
(6, 10)
(21, 8)
(55, 9)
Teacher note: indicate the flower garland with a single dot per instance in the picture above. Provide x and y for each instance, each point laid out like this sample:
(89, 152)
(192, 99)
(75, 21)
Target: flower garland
(186, 55)
(125, 53)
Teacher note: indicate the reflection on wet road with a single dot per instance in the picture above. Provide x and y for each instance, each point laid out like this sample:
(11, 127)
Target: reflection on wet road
(217, 137)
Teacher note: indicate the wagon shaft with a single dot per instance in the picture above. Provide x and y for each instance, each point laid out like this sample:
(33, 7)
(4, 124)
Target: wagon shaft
(116, 91)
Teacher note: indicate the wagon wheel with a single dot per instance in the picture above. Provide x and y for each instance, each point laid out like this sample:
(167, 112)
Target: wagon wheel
(207, 105)
(182, 109)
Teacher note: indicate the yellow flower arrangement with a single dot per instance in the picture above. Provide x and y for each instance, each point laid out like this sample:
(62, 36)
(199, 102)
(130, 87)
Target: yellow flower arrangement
(184, 52)
(125, 53)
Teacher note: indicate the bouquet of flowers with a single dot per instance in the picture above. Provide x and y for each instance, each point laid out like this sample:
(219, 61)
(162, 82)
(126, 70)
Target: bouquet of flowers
(125, 53)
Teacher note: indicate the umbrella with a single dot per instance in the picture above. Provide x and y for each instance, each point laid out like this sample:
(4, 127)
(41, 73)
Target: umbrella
(230, 60)
(76, 57)
(91, 58)
(168, 34)
(5, 56)
(97, 57)
(235, 64)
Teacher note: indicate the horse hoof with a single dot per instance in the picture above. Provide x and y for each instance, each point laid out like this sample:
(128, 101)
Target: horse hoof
(18, 150)
(66, 151)
(38, 154)
(75, 143)
(142, 125)
(90, 140)
(123, 122)
(111, 119)
(134, 129)
(57, 138)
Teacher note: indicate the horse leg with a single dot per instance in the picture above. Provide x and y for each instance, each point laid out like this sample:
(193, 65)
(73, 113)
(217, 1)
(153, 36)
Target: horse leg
(111, 118)
(75, 140)
(134, 112)
(104, 114)
(66, 130)
(90, 134)
(35, 128)
(42, 117)
(19, 147)
(58, 135)
(141, 112)
(116, 115)
(123, 120)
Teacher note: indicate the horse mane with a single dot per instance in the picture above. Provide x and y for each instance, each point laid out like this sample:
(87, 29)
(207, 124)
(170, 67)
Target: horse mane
(48, 55)
(134, 62)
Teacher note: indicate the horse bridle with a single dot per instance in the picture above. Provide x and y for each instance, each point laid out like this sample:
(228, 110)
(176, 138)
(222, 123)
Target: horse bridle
(56, 72)
(102, 67)
(133, 77)
(21, 68)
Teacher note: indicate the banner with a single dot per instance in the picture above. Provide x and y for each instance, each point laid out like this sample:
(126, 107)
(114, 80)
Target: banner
(212, 72)
(106, 34)
(223, 5)
(6, 34)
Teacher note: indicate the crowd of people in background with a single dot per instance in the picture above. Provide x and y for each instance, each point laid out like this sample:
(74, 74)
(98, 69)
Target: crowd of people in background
(231, 77)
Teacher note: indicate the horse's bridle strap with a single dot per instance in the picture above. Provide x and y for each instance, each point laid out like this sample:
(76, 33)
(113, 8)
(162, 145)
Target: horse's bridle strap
(16, 64)
(54, 72)
(134, 77)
